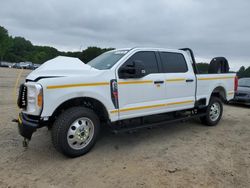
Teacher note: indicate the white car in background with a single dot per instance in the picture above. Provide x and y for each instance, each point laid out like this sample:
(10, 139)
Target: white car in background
(26, 65)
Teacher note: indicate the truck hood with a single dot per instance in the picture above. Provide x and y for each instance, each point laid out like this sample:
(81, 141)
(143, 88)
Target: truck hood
(61, 66)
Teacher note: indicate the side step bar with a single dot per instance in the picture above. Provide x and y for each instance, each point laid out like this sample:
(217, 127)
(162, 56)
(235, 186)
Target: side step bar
(134, 128)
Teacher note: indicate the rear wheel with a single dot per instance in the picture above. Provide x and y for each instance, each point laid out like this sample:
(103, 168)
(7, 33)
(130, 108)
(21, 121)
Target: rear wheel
(75, 131)
(213, 112)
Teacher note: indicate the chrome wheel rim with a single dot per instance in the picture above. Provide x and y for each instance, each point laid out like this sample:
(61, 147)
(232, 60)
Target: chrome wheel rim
(215, 111)
(80, 133)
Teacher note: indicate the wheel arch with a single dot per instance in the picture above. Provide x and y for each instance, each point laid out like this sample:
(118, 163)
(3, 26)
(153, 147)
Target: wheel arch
(219, 92)
(94, 104)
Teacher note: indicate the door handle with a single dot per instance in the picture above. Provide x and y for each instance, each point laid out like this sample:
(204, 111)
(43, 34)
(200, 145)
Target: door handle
(189, 80)
(159, 82)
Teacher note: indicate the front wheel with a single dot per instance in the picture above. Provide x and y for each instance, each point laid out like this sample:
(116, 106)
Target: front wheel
(75, 131)
(214, 112)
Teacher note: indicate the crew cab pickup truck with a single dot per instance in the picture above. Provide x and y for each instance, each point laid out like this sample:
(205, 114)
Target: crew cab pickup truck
(123, 89)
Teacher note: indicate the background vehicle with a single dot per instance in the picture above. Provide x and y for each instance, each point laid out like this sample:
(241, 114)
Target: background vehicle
(16, 66)
(242, 95)
(125, 89)
(4, 64)
(26, 65)
(35, 66)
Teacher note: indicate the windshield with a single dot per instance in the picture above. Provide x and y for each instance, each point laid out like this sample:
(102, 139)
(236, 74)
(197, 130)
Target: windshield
(107, 60)
(244, 82)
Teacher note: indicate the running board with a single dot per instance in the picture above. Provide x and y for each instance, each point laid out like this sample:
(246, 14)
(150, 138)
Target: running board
(150, 125)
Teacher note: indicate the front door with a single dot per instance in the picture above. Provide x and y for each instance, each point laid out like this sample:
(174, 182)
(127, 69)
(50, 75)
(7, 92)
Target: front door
(141, 96)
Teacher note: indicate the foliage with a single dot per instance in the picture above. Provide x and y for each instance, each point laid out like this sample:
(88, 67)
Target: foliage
(92, 52)
(5, 42)
(202, 68)
(243, 72)
(19, 49)
(88, 54)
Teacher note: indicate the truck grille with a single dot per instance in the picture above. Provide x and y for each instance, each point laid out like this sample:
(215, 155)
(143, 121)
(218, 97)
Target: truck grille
(22, 97)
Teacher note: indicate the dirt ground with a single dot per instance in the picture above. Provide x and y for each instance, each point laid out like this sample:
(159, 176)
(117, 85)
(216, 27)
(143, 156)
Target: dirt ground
(176, 155)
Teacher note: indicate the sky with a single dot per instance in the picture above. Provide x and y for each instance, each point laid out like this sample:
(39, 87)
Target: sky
(211, 28)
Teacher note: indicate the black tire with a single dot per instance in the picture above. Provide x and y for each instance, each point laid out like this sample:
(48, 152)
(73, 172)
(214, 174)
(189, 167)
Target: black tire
(208, 120)
(61, 127)
(214, 67)
(218, 65)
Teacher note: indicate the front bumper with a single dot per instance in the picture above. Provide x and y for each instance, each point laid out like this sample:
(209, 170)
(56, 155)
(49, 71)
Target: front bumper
(27, 125)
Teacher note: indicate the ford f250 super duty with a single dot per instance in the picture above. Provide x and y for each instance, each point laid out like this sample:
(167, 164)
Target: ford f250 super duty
(123, 89)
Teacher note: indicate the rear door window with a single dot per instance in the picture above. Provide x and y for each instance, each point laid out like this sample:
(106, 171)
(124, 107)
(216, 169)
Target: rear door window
(173, 62)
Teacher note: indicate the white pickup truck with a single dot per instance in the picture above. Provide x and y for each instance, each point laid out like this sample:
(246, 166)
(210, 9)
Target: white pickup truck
(123, 89)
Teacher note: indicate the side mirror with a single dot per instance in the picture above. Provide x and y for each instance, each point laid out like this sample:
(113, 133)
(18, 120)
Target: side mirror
(134, 70)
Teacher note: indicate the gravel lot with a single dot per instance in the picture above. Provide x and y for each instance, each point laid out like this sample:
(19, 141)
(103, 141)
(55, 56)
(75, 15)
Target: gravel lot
(177, 155)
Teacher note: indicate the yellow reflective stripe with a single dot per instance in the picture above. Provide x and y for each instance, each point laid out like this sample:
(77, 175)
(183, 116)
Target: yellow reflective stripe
(141, 107)
(183, 102)
(97, 84)
(137, 82)
(78, 85)
(231, 93)
(176, 80)
(151, 106)
(216, 78)
(114, 111)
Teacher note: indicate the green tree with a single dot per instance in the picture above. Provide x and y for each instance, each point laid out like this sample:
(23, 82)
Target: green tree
(19, 49)
(92, 52)
(22, 48)
(247, 72)
(41, 54)
(5, 42)
(202, 67)
(241, 71)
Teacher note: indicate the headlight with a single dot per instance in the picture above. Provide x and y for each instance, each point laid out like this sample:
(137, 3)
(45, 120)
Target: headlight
(34, 98)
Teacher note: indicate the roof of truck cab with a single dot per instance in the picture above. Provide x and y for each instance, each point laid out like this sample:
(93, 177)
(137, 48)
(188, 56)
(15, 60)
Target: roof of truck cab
(149, 48)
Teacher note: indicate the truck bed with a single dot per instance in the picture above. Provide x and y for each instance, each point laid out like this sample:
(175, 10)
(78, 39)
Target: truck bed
(207, 82)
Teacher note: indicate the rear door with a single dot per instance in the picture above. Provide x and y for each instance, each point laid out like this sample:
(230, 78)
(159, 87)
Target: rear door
(141, 96)
(179, 81)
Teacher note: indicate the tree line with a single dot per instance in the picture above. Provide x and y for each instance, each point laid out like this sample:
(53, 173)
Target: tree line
(18, 49)
(241, 73)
